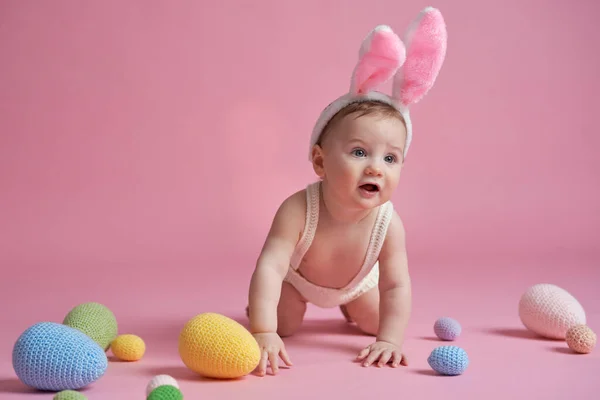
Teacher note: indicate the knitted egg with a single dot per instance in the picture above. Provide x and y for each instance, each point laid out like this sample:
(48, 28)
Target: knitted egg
(166, 392)
(95, 320)
(51, 356)
(128, 347)
(448, 360)
(218, 347)
(447, 328)
(581, 339)
(69, 395)
(161, 380)
(550, 311)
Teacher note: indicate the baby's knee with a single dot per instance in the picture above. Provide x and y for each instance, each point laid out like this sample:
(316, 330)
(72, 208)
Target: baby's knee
(288, 323)
(286, 329)
(370, 326)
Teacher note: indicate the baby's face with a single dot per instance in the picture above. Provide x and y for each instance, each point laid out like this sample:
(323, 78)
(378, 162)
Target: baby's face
(362, 158)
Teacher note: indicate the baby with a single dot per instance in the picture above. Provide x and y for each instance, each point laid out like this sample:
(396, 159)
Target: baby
(339, 242)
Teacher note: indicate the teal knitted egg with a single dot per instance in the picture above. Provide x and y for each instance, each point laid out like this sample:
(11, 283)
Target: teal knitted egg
(96, 321)
(165, 392)
(69, 395)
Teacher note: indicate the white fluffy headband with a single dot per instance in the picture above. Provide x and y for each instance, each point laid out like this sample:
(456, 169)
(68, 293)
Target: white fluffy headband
(414, 64)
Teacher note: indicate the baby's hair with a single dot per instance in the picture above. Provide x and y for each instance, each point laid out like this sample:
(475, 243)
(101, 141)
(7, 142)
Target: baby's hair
(359, 109)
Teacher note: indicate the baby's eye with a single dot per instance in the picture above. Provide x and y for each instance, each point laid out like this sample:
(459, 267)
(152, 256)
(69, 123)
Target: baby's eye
(358, 152)
(390, 159)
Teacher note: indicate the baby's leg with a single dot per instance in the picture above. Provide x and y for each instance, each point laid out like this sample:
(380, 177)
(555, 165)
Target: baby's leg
(290, 310)
(364, 311)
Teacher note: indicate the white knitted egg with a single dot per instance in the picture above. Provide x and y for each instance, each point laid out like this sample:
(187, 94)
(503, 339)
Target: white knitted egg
(160, 380)
(550, 311)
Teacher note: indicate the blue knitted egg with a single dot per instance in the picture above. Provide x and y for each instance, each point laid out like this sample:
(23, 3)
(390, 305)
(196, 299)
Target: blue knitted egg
(447, 328)
(448, 360)
(56, 357)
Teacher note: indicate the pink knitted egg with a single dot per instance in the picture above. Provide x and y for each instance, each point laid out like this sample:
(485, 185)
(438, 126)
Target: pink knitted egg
(446, 328)
(550, 311)
(581, 339)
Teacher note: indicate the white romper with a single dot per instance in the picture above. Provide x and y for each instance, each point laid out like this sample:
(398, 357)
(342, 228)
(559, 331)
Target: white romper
(367, 277)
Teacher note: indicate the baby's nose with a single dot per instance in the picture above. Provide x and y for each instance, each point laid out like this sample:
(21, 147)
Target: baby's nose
(373, 170)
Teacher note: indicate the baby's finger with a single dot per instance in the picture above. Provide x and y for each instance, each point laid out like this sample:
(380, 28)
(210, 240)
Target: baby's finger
(363, 353)
(385, 357)
(396, 358)
(273, 361)
(404, 360)
(373, 355)
(285, 357)
(262, 364)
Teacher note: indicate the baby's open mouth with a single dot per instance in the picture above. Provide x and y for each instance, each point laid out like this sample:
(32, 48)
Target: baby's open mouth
(369, 187)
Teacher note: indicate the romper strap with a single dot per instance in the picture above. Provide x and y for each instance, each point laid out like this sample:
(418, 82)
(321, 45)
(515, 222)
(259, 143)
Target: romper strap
(310, 225)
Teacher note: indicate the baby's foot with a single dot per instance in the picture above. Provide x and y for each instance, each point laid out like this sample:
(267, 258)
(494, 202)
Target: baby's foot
(345, 312)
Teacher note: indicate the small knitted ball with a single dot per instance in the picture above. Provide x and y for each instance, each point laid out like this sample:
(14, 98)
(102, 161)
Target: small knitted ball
(166, 392)
(96, 321)
(216, 346)
(161, 380)
(447, 328)
(550, 311)
(69, 395)
(448, 360)
(581, 339)
(128, 347)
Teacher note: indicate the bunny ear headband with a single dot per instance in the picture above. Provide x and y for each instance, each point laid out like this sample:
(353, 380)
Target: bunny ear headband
(414, 65)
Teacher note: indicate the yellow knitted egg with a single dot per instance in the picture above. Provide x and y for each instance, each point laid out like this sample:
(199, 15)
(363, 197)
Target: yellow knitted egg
(581, 339)
(216, 346)
(128, 347)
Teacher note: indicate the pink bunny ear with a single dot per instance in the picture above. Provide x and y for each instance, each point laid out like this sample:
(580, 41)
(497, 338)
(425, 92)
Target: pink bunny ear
(426, 42)
(381, 54)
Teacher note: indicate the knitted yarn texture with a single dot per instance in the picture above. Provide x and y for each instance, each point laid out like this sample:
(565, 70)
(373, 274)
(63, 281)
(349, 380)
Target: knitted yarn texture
(96, 321)
(166, 392)
(448, 360)
(52, 356)
(69, 395)
(581, 339)
(550, 311)
(161, 380)
(447, 328)
(216, 346)
(128, 347)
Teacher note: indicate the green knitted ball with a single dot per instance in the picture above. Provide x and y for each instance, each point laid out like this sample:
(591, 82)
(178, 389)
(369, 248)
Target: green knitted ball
(165, 392)
(96, 321)
(69, 395)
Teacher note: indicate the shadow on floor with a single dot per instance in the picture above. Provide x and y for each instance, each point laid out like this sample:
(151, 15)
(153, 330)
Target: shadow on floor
(430, 338)
(15, 386)
(562, 350)
(331, 326)
(428, 372)
(322, 334)
(182, 373)
(518, 333)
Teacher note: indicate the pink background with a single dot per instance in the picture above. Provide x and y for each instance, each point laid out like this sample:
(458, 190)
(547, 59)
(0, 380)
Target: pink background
(145, 145)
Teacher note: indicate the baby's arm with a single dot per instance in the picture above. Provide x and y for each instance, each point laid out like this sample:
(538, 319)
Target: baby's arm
(273, 263)
(265, 285)
(394, 285)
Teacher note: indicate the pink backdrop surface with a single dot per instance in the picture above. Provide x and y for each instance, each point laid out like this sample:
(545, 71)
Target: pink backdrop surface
(145, 145)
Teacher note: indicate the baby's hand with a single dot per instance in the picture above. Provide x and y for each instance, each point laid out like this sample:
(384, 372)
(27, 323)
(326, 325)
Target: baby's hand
(384, 352)
(271, 347)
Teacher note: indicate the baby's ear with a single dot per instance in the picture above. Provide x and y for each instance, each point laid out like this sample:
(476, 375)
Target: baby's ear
(317, 160)
(426, 41)
(381, 54)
